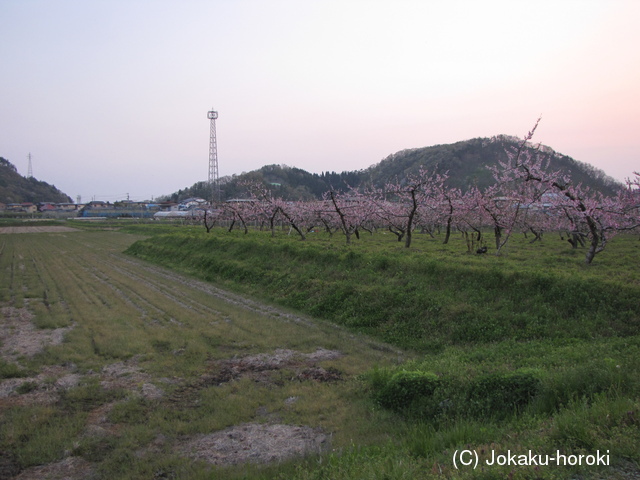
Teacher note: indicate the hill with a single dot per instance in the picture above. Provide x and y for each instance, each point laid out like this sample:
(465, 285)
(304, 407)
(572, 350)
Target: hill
(14, 188)
(465, 161)
(466, 164)
(289, 182)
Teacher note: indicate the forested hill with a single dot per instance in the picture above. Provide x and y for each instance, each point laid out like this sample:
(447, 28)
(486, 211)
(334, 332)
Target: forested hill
(465, 162)
(14, 188)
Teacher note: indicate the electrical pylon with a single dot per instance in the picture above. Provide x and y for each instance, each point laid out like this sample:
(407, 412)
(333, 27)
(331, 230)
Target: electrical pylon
(213, 180)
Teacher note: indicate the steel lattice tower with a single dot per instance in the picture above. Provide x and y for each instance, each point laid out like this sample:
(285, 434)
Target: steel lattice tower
(30, 168)
(213, 180)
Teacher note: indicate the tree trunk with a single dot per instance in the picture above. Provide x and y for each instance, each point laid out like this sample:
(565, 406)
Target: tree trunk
(397, 232)
(538, 235)
(448, 231)
(345, 228)
(412, 213)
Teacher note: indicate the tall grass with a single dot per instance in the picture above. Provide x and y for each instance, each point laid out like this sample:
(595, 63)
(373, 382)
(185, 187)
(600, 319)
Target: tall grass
(530, 350)
(421, 299)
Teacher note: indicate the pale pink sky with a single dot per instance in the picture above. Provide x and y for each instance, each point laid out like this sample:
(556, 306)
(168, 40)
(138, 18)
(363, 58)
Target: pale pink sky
(111, 96)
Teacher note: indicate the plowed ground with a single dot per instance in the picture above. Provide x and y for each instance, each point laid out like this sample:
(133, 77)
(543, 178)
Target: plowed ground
(185, 372)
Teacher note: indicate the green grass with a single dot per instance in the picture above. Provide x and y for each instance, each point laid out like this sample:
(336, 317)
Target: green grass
(424, 298)
(122, 310)
(531, 350)
(571, 331)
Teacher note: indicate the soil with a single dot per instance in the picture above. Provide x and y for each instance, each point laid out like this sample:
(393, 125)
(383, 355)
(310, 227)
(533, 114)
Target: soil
(36, 229)
(70, 468)
(19, 336)
(250, 442)
(264, 442)
(255, 443)
(261, 368)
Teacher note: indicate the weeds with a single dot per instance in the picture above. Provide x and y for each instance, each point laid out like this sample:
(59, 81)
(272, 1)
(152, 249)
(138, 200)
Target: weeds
(514, 353)
(416, 299)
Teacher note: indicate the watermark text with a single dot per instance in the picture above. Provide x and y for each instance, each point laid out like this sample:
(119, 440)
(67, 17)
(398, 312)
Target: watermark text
(471, 459)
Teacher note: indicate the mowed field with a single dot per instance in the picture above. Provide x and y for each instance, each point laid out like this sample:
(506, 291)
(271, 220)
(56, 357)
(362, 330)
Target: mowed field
(114, 368)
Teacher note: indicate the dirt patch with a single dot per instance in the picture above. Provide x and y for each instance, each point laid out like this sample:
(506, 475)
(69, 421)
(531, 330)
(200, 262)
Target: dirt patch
(265, 362)
(255, 443)
(319, 374)
(262, 368)
(20, 337)
(37, 229)
(42, 389)
(128, 376)
(71, 468)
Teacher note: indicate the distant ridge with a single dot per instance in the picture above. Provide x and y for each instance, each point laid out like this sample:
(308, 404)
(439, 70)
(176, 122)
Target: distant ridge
(465, 161)
(14, 188)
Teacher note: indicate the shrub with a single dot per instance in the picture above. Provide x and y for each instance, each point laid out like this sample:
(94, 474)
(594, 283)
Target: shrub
(586, 382)
(406, 390)
(500, 394)
(425, 396)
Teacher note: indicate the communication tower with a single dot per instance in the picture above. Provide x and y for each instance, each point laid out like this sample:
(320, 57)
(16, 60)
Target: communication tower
(213, 180)
(30, 168)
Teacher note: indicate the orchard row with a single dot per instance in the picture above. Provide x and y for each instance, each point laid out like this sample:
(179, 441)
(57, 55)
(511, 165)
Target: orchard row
(525, 197)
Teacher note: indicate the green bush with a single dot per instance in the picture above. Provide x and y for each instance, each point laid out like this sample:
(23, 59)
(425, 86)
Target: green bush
(406, 390)
(586, 382)
(424, 395)
(500, 395)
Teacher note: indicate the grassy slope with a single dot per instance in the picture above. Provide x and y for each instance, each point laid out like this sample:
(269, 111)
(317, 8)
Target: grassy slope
(536, 308)
(427, 297)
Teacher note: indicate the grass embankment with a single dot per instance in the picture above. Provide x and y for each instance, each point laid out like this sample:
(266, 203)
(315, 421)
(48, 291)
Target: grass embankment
(530, 351)
(424, 298)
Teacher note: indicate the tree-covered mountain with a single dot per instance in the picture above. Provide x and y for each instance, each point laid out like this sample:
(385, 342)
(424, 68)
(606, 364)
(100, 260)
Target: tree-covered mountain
(465, 162)
(287, 182)
(14, 188)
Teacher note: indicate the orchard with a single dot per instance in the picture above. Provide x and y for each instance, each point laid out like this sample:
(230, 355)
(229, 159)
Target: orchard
(526, 197)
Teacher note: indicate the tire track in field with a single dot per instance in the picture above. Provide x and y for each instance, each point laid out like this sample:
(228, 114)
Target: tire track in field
(164, 289)
(134, 299)
(150, 275)
(82, 290)
(108, 282)
(209, 289)
(49, 287)
(114, 275)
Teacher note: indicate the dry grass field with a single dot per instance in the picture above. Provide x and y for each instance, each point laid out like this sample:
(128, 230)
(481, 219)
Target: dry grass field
(114, 368)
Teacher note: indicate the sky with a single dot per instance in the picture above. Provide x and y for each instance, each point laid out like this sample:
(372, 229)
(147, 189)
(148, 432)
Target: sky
(110, 97)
